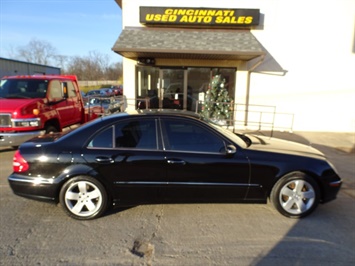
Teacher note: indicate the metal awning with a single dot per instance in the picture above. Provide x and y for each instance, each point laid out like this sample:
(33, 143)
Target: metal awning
(182, 43)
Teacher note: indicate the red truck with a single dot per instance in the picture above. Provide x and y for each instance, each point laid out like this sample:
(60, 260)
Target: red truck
(39, 104)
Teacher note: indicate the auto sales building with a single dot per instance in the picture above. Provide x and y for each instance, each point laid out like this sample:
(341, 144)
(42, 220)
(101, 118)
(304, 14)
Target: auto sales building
(290, 66)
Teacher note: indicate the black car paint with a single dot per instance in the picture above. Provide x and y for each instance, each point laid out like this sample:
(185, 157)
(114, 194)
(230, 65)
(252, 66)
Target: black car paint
(133, 176)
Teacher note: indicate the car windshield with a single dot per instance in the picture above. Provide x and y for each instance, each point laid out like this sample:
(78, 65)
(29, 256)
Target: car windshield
(23, 88)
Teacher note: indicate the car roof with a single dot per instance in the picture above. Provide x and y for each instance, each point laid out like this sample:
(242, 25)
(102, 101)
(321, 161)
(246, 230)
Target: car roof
(153, 112)
(171, 112)
(48, 77)
(93, 91)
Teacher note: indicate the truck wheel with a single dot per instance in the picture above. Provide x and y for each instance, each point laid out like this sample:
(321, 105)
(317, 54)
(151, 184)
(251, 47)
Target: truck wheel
(51, 129)
(83, 198)
(295, 195)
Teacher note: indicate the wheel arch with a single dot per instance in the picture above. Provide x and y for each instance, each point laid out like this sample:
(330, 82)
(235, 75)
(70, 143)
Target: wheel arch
(293, 200)
(81, 170)
(304, 172)
(84, 197)
(53, 122)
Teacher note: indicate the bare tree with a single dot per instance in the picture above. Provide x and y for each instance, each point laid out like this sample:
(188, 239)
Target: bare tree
(38, 51)
(61, 61)
(95, 66)
(85, 68)
(114, 71)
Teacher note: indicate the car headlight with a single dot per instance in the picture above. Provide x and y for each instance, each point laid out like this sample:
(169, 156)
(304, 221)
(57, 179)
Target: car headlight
(33, 122)
(333, 167)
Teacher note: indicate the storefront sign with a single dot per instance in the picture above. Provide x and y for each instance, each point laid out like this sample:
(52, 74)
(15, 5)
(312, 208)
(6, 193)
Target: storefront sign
(199, 16)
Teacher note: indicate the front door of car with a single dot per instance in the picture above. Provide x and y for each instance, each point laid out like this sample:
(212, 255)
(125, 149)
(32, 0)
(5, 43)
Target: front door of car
(198, 168)
(73, 102)
(59, 104)
(128, 157)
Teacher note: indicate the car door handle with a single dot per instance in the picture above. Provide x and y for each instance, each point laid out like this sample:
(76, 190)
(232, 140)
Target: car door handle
(176, 162)
(104, 159)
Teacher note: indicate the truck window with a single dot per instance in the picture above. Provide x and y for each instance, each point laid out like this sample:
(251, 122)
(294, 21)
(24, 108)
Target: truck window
(55, 90)
(71, 89)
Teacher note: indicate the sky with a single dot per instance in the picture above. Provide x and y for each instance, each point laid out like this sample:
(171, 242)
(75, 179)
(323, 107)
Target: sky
(72, 27)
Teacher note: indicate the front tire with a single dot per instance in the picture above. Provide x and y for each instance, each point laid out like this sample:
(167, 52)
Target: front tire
(51, 129)
(295, 195)
(83, 198)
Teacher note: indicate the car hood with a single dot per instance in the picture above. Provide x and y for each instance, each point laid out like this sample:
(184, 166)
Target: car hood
(10, 105)
(267, 144)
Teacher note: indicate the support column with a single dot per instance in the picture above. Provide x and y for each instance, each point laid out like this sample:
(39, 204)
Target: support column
(242, 85)
(129, 83)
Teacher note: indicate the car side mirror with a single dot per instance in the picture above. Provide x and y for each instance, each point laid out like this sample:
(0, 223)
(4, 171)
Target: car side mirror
(65, 90)
(230, 150)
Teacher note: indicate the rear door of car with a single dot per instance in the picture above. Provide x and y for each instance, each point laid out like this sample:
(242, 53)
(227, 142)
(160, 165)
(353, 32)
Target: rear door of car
(128, 156)
(198, 168)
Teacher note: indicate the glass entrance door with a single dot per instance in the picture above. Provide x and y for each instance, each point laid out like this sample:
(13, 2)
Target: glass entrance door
(173, 87)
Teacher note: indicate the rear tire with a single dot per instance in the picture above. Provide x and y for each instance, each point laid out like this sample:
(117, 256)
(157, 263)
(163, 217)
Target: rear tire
(295, 195)
(83, 198)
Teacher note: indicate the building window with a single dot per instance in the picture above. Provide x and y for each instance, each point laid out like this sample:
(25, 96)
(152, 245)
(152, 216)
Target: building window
(178, 88)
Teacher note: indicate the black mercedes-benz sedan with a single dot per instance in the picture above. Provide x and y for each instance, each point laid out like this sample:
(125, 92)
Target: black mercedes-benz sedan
(169, 157)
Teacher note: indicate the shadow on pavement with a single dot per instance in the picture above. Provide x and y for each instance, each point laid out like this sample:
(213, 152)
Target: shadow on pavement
(5, 149)
(343, 141)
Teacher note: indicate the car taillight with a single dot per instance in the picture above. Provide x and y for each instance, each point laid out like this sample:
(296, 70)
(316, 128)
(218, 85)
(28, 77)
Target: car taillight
(19, 164)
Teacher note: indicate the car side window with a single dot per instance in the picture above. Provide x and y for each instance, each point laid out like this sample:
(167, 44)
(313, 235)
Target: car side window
(55, 91)
(139, 134)
(103, 140)
(71, 89)
(181, 135)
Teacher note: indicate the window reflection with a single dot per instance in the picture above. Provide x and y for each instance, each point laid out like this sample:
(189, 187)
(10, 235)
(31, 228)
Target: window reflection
(187, 136)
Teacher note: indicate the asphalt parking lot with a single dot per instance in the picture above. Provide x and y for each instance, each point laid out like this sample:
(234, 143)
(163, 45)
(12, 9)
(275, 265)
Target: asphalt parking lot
(37, 233)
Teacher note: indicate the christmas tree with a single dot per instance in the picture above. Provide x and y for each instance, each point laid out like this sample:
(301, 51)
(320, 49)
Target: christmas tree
(217, 105)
